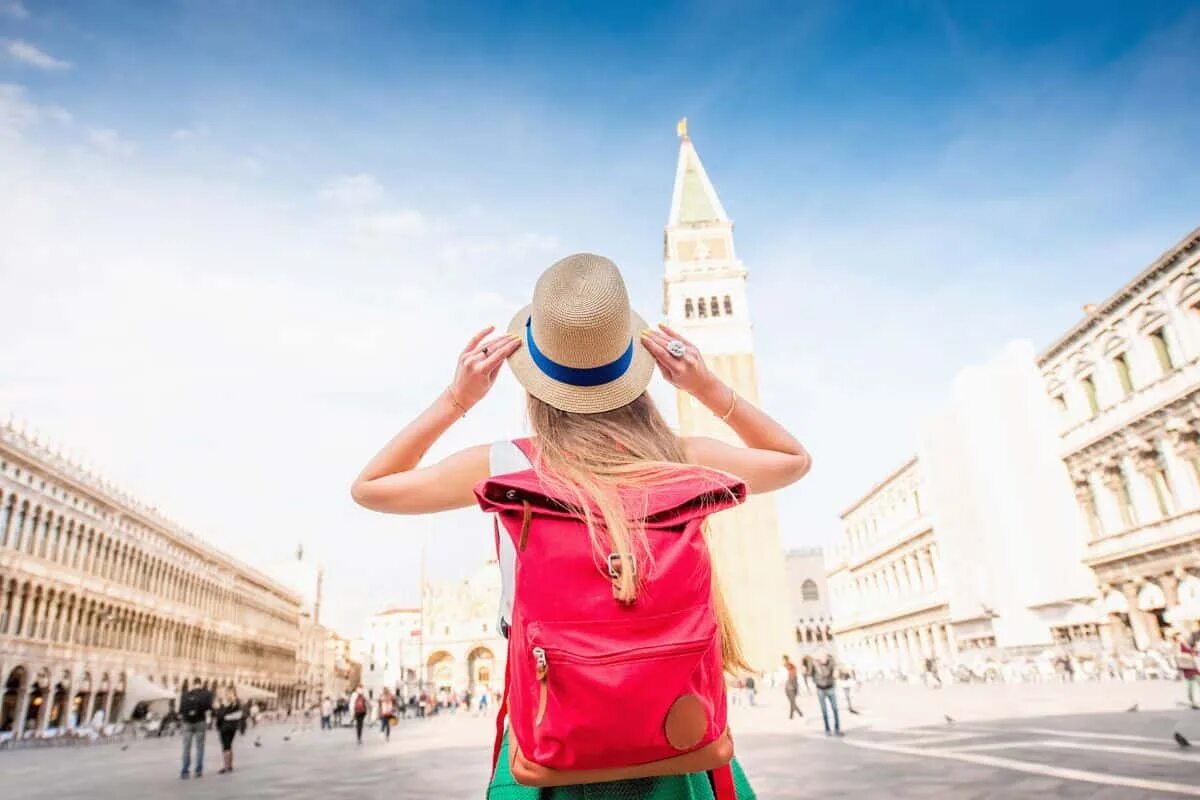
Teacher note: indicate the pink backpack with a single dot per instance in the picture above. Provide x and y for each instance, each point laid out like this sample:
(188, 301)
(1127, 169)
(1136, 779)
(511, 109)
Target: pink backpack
(596, 689)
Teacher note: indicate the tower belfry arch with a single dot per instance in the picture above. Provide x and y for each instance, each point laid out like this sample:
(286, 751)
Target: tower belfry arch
(705, 298)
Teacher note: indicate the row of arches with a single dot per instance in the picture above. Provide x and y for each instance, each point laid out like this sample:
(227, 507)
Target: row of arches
(814, 633)
(36, 699)
(48, 613)
(712, 307)
(39, 529)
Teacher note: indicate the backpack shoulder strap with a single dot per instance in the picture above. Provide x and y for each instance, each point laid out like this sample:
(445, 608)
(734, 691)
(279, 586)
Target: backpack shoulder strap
(527, 448)
(506, 457)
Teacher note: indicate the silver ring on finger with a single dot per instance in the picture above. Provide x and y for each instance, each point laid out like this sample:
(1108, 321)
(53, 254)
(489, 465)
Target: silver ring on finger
(676, 348)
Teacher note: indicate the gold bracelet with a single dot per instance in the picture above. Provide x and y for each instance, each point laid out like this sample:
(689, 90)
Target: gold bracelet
(732, 406)
(454, 400)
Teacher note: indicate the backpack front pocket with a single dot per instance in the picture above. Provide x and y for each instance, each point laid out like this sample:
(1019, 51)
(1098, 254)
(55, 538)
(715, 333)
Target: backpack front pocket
(605, 687)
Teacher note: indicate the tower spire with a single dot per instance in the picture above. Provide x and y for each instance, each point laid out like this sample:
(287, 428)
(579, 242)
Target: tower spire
(694, 199)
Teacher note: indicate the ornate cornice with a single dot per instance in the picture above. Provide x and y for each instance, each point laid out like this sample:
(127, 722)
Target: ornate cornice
(1098, 316)
(39, 454)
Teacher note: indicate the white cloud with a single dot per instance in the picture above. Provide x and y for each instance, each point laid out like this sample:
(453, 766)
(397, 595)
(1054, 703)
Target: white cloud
(201, 341)
(249, 166)
(191, 133)
(391, 224)
(59, 114)
(30, 54)
(17, 113)
(15, 9)
(352, 191)
(110, 142)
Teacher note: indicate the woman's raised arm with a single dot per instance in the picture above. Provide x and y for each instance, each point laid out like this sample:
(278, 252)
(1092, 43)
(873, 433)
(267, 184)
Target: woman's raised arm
(392, 481)
(772, 458)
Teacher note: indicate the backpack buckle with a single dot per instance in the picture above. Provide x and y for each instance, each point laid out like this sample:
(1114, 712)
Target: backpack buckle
(616, 563)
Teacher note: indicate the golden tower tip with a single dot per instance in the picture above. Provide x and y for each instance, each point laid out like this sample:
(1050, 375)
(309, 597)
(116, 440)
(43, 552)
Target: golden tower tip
(681, 128)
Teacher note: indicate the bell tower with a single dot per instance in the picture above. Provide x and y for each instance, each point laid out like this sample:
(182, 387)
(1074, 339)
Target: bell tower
(705, 299)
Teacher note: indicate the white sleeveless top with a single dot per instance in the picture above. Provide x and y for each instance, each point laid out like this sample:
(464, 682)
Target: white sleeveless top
(503, 458)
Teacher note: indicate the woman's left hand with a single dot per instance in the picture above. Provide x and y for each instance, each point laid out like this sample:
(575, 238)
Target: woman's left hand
(687, 372)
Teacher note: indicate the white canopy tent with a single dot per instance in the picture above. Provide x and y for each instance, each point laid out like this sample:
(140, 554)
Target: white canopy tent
(141, 690)
(248, 692)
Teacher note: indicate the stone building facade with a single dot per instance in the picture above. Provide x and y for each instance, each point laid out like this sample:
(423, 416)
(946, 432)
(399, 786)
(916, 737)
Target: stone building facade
(810, 600)
(452, 643)
(1125, 382)
(101, 596)
(1054, 501)
(705, 299)
(886, 584)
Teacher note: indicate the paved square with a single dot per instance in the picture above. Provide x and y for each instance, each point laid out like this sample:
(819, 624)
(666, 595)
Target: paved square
(1044, 740)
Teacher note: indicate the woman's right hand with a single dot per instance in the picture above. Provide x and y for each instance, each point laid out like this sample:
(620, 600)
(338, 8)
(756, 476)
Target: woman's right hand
(479, 364)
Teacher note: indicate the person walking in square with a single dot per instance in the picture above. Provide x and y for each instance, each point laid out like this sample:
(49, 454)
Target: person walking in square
(585, 360)
(791, 688)
(825, 679)
(387, 706)
(359, 705)
(1186, 663)
(231, 719)
(327, 714)
(194, 709)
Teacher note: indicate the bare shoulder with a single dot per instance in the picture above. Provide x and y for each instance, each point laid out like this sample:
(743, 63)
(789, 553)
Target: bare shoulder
(704, 450)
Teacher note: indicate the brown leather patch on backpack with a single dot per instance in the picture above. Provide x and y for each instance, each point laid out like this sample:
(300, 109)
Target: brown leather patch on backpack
(686, 722)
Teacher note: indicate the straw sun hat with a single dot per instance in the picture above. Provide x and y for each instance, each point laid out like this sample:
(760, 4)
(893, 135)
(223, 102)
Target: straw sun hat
(582, 342)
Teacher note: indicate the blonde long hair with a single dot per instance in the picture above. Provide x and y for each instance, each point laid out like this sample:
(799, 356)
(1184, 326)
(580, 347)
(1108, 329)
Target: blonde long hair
(590, 457)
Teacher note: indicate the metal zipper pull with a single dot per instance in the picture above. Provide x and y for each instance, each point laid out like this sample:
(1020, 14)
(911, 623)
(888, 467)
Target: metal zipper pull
(543, 665)
(543, 669)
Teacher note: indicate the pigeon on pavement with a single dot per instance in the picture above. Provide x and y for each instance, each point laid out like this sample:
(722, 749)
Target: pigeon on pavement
(949, 719)
(1133, 707)
(1181, 740)
(258, 741)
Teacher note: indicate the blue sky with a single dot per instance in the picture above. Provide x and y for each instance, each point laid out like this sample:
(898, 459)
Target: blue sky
(272, 223)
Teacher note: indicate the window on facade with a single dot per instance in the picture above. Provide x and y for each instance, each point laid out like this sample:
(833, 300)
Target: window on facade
(716, 308)
(1125, 501)
(701, 308)
(1162, 350)
(728, 306)
(1089, 391)
(809, 591)
(1088, 504)
(1121, 365)
(689, 309)
(1060, 403)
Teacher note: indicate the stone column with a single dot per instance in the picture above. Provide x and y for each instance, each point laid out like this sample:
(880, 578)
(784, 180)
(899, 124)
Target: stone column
(77, 629)
(23, 698)
(65, 721)
(918, 654)
(27, 613)
(1181, 452)
(43, 716)
(911, 586)
(951, 643)
(1111, 477)
(108, 698)
(1146, 462)
(54, 626)
(1137, 621)
(1170, 587)
(1088, 509)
